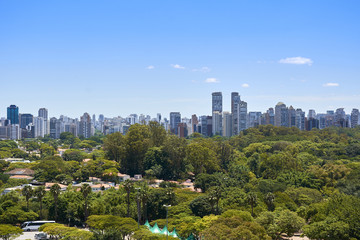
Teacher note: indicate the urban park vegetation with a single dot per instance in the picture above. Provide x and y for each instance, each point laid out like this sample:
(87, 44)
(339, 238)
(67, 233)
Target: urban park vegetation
(266, 183)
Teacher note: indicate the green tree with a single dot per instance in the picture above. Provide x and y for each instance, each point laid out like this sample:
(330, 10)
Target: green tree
(128, 187)
(252, 200)
(114, 146)
(8, 232)
(55, 192)
(269, 201)
(157, 134)
(114, 227)
(86, 190)
(39, 193)
(27, 192)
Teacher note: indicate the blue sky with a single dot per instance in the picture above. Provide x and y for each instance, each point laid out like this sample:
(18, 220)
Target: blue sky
(123, 57)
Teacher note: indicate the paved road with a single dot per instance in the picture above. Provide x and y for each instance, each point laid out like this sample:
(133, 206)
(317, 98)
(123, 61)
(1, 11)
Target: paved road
(27, 235)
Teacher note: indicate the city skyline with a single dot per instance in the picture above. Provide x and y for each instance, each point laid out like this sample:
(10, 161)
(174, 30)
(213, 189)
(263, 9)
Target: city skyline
(147, 57)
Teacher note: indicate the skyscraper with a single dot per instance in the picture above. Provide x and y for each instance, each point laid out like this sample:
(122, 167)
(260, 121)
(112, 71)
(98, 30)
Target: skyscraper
(217, 102)
(242, 110)
(217, 123)
(300, 119)
(235, 101)
(85, 126)
(25, 119)
(354, 117)
(216, 110)
(281, 115)
(43, 113)
(175, 119)
(13, 114)
(227, 124)
(292, 117)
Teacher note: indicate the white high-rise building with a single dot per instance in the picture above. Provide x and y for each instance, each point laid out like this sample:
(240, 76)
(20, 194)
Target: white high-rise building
(40, 127)
(227, 124)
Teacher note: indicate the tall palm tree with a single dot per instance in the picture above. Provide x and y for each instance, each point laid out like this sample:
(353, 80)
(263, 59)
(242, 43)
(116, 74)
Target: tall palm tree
(27, 192)
(269, 201)
(86, 190)
(40, 192)
(252, 200)
(55, 192)
(128, 186)
(144, 196)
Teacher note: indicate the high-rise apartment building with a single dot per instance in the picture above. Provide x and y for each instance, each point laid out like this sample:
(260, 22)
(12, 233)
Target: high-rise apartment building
(281, 115)
(217, 110)
(354, 117)
(340, 118)
(13, 114)
(254, 119)
(194, 123)
(292, 117)
(227, 124)
(235, 101)
(43, 113)
(175, 119)
(242, 110)
(85, 126)
(270, 116)
(300, 119)
(217, 123)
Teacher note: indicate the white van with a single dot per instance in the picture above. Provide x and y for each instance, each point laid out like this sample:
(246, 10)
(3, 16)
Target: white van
(33, 225)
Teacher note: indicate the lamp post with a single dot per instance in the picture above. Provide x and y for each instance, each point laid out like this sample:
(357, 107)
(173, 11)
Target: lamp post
(167, 228)
(138, 205)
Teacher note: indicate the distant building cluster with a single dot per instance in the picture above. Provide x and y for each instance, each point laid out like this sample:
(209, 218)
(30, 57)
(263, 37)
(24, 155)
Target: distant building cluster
(224, 123)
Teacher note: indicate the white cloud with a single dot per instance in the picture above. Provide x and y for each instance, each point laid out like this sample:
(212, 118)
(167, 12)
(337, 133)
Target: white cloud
(150, 67)
(245, 85)
(331, 85)
(177, 66)
(211, 80)
(297, 60)
(203, 69)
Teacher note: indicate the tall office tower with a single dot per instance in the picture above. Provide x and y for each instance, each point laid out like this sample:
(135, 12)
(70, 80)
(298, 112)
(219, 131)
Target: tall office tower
(15, 131)
(13, 114)
(292, 117)
(217, 102)
(158, 117)
(194, 123)
(340, 118)
(312, 113)
(235, 101)
(101, 118)
(43, 112)
(242, 110)
(85, 126)
(330, 118)
(300, 119)
(25, 119)
(93, 119)
(209, 125)
(254, 119)
(53, 121)
(227, 130)
(217, 123)
(175, 119)
(216, 110)
(270, 116)
(322, 120)
(39, 125)
(281, 115)
(203, 122)
(354, 117)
